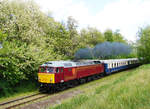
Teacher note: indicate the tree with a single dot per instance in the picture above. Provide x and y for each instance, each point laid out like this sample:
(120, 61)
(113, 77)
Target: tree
(32, 39)
(91, 36)
(144, 44)
(72, 25)
(109, 35)
(117, 37)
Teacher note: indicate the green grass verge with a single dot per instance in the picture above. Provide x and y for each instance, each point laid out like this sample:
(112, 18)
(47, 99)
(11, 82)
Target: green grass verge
(124, 90)
(21, 89)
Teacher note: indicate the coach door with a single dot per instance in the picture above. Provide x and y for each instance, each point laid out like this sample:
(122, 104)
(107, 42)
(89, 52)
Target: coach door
(59, 75)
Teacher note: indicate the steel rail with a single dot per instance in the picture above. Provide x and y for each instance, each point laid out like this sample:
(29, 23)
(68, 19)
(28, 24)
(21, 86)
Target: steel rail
(19, 99)
(16, 105)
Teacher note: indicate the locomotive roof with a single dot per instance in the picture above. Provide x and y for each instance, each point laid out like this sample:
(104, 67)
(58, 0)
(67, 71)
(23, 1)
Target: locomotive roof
(67, 63)
(59, 64)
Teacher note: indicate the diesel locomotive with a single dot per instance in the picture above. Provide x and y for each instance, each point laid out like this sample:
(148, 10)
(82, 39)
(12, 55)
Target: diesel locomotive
(54, 75)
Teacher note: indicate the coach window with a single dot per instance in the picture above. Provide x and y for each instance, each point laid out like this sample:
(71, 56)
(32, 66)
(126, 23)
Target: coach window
(57, 70)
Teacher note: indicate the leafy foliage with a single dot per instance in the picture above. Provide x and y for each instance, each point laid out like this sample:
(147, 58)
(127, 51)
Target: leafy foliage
(91, 36)
(111, 36)
(32, 38)
(144, 44)
(108, 35)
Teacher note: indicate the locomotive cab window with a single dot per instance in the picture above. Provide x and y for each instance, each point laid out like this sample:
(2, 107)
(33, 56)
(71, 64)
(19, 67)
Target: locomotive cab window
(42, 69)
(50, 70)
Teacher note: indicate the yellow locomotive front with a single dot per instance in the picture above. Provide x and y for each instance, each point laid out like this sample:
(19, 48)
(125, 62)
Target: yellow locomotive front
(46, 75)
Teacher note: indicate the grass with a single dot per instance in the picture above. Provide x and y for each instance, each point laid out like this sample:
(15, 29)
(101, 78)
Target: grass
(124, 90)
(23, 89)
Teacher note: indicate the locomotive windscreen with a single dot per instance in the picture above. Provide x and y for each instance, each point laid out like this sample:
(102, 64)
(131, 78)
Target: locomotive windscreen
(50, 70)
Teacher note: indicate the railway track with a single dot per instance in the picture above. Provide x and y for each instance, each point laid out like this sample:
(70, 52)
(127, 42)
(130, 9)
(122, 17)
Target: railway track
(20, 101)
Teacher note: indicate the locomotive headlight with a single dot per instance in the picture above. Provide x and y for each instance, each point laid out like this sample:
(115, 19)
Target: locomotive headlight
(51, 79)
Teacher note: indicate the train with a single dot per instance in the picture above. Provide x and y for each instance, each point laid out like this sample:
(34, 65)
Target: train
(54, 75)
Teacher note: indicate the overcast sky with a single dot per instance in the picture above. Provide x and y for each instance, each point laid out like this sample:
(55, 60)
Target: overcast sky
(126, 15)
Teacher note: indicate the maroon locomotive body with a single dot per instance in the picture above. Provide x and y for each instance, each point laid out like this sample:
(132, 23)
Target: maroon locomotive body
(58, 72)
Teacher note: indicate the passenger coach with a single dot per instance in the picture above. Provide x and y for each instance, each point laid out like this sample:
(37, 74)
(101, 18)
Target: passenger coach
(114, 65)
